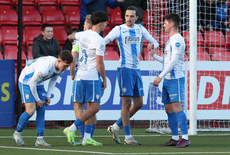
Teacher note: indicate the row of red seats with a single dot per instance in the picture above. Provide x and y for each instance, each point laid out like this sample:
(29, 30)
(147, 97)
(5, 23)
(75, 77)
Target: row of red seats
(69, 17)
(33, 17)
(31, 4)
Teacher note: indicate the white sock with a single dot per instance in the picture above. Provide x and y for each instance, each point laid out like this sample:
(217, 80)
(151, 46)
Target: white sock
(175, 137)
(128, 136)
(17, 132)
(72, 128)
(87, 136)
(40, 137)
(116, 127)
(185, 137)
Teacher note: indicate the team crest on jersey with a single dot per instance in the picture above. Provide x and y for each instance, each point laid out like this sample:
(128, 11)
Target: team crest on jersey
(138, 31)
(27, 96)
(124, 90)
(43, 94)
(97, 96)
(177, 44)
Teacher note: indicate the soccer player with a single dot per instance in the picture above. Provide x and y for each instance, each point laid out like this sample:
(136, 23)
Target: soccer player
(33, 93)
(78, 107)
(129, 38)
(88, 81)
(173, 85)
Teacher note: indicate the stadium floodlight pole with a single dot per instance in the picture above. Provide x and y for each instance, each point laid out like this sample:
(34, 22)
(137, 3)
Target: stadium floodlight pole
(193, 67)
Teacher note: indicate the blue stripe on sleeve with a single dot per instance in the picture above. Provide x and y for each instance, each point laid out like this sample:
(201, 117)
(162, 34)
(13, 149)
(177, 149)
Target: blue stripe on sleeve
(134, 49)
(121, 49)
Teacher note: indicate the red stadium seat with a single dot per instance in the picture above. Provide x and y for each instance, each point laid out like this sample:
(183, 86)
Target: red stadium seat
(145, 19)
(1, 56)
(70, 8)
(116, 17)
(214, 38)
(8, 36)
(28, 36)
(6, 4)
(219, 54)
(159, 3)
(154, 35)
(111, 55)
(31, 18)
(10, 52)
(72, 17)
(202, 55)
(27, 4)
(60, 35)
(66, 5)
(8, 17)
(200, 38)
(47, 5)
(148, 56)
(108, 28)
(157, 15)
(53, 17)
(227, 37)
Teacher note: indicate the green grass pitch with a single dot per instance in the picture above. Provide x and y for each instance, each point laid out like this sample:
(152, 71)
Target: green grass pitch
(203, 143)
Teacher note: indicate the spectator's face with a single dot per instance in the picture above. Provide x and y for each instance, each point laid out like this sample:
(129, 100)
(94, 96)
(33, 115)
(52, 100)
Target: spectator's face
(47, 33)
(130, 18)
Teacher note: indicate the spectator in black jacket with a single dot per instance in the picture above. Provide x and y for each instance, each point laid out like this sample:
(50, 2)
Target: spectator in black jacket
(45, 44)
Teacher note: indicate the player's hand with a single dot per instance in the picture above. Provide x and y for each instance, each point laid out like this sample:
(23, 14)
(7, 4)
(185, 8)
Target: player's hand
(151, 49)
(47, 101)
(104, 84)
(71, 37)
(39, 103)
(73, 76)
(157, 81)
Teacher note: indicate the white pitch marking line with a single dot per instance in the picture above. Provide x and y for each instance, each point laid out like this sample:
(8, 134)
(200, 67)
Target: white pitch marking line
(91, 152)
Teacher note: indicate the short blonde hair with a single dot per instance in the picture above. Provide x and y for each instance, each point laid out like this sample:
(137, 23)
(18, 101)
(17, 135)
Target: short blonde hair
(88, 20)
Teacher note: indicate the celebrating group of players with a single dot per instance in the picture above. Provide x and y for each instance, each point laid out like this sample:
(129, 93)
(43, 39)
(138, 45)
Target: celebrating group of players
(90, 79)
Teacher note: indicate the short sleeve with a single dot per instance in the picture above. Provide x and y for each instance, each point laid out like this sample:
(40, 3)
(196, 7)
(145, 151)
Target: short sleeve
(100, 47)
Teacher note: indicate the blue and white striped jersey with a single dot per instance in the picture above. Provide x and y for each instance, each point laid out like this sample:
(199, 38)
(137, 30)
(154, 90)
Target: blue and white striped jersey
(173, 59)
(130, 43)
(38, 71)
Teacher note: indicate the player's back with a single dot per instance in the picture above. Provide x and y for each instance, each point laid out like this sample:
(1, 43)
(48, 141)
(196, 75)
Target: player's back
(44, 65)
(90, 45)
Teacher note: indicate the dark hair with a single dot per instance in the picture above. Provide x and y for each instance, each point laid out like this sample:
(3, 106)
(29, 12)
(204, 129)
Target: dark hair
(173, 17)
(72, 30)
(99, 16)
(46, 25)
(66, 56)
(133, 8)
